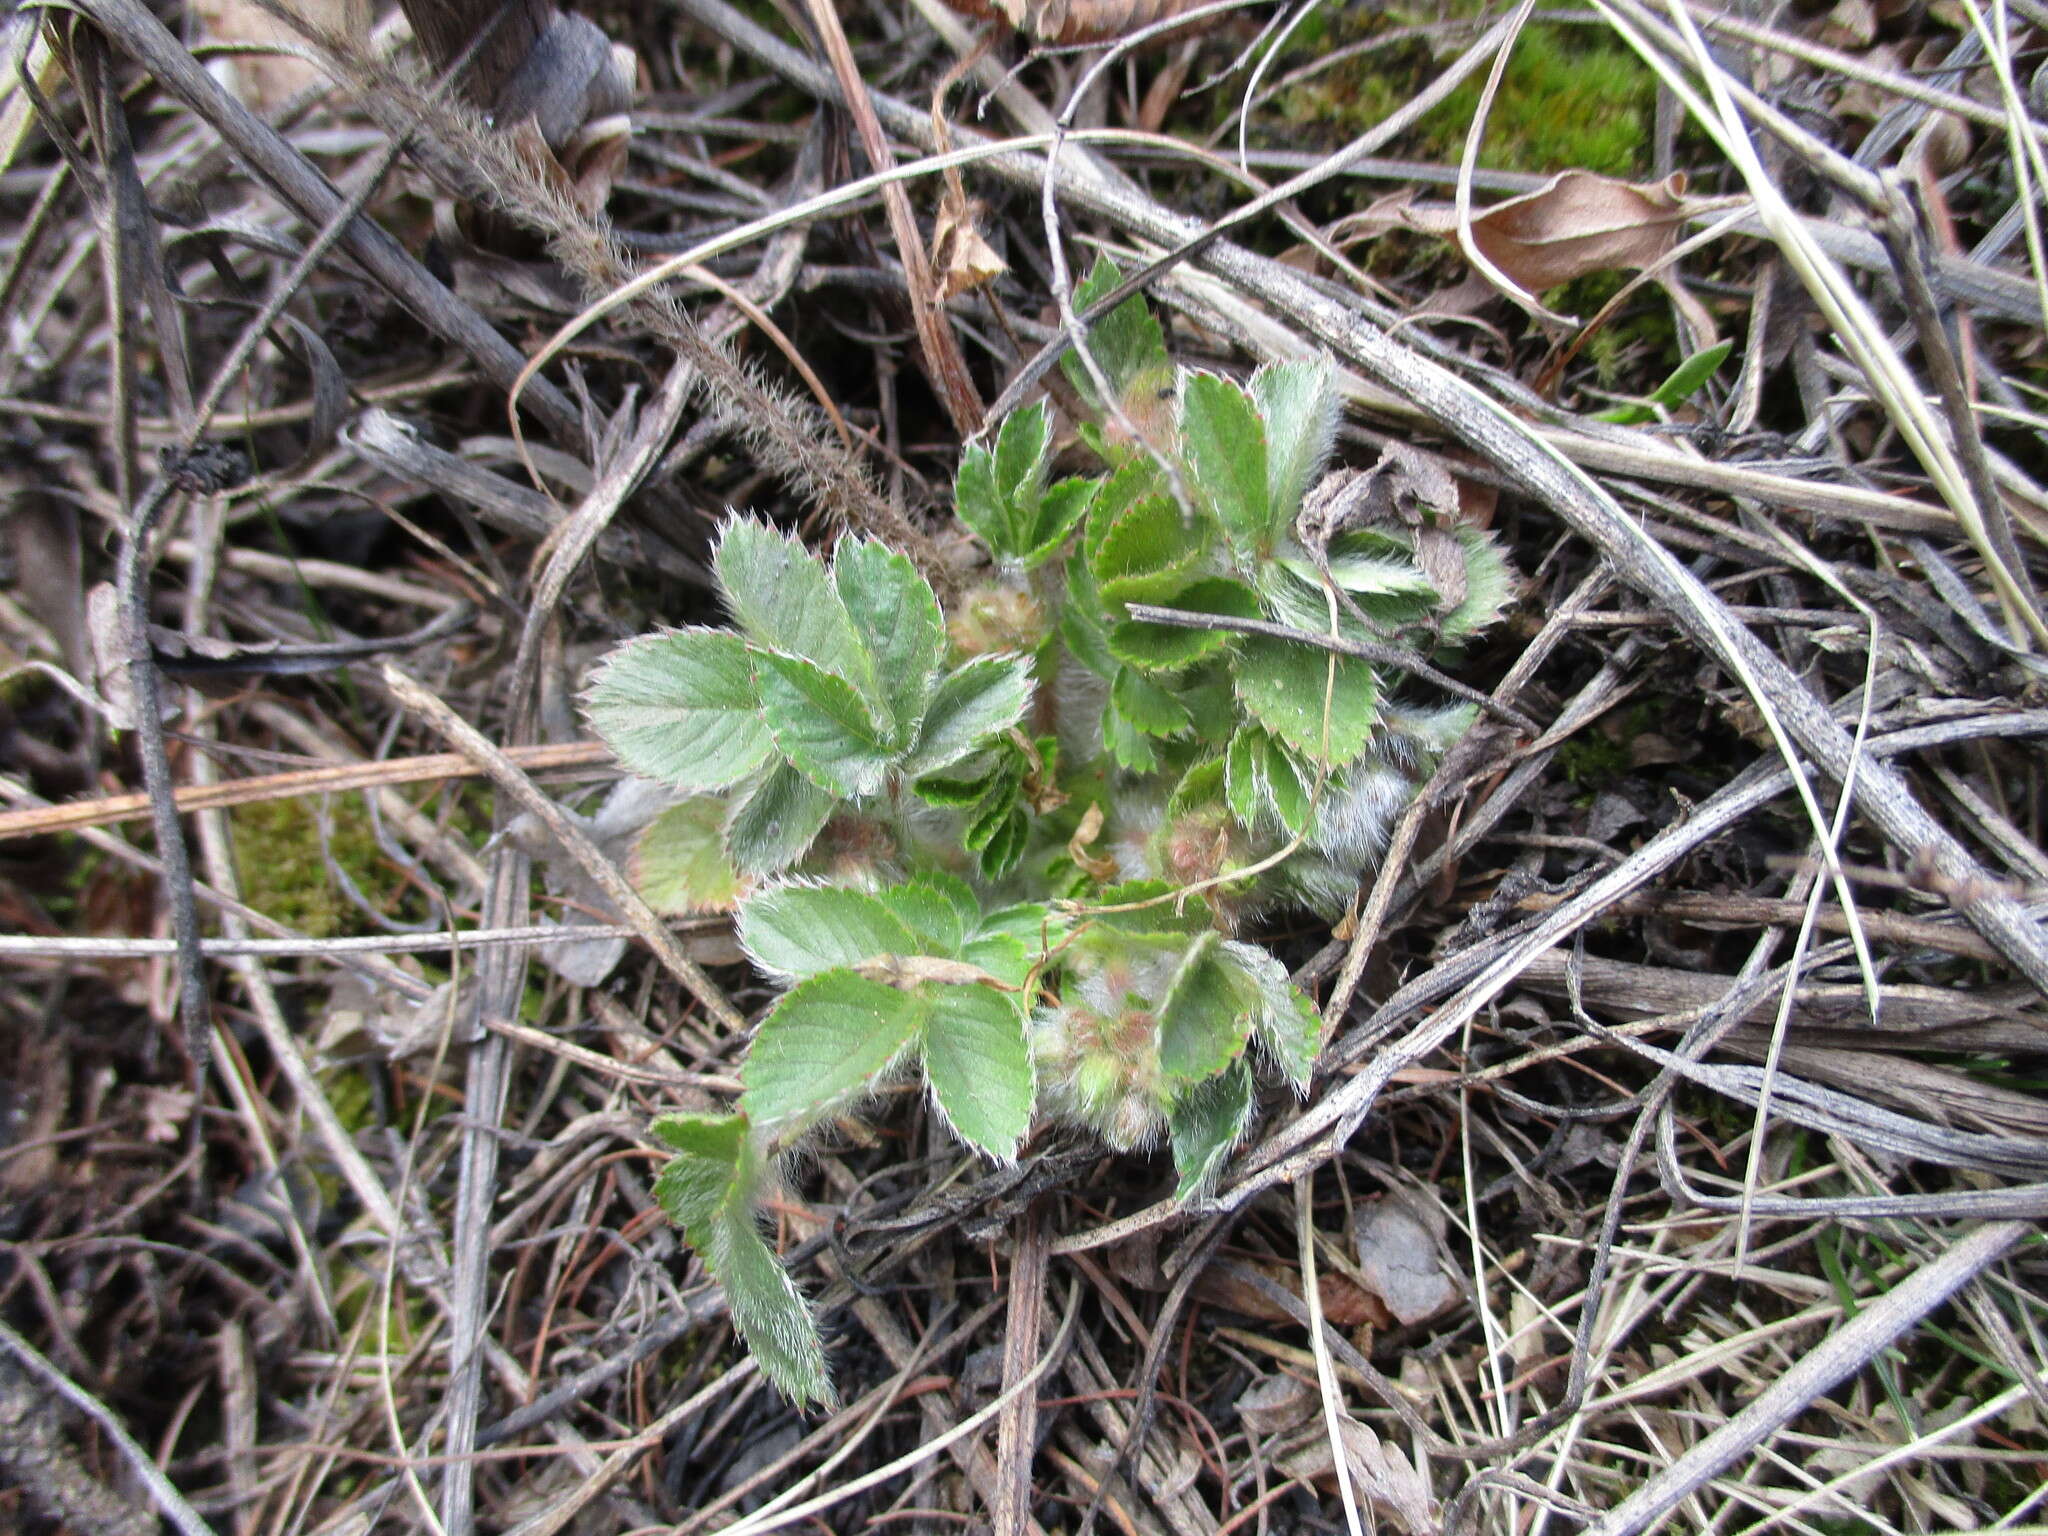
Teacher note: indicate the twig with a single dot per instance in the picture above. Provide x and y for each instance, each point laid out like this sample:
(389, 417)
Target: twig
(1017, 1430)
(574, 840)
(43, 820)
(168, 1499)
(35, 946)
(1906, 232)
(1836, 1357)
(300, 660)
(935, 338)
(300, 184)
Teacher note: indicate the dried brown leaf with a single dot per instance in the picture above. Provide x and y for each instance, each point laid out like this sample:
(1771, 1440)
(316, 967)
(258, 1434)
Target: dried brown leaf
(1075, 21)
(1576, 224)
(962, 259)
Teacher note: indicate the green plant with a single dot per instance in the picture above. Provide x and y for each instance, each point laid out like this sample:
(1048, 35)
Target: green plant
(1011, 848)
(1684, 381)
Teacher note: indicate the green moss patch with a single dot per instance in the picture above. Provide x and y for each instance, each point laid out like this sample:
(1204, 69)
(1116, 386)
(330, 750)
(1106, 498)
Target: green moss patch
(1571, 100)
(278, 860)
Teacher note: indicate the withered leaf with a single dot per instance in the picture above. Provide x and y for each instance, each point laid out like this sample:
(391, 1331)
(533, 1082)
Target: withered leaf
(1075, 21)
(1577, 223)
(962, 258)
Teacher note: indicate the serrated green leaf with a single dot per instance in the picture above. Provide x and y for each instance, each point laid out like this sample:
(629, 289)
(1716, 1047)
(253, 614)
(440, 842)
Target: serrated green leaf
(767, 1308)
(1147, 706)
(1147, 554)
(1126, 343)
(979, 1067)
(1200, 788)
(822, 725)
(1206, 1124)
(679, 862)
(1002, 850)
(957, 891)
(826, 1044)
(930, 914)
(1287, 1022)
(1210, 701)
(1224, 444)
(1172, 915)
(792, 931)
(1128, 747)
(1368, 575)
(681, 708)
(1169, 648)
(1021, 447)
(1030, 922)
(708, 1189)
(1130, 483)
(784, 601)
(953, 794)
(977, 502)
(997, 802)
(1298, 402)
(1263, 780)
(897, 616)
(1204, 1021)
(1004, 956)
(713, 1146)
(1081, 622)
(1489, 585)
(1281, 685)
(774, 823)
(1299, 600)
(1288, 788)
(978, 701)
(1241, 775)
(1060, 509)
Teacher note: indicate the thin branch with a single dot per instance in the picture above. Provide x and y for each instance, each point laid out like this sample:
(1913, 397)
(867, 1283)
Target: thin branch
(168, 1499)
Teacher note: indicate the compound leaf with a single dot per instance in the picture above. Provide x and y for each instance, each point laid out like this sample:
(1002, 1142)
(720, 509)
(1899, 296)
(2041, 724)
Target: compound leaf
(682, 708)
